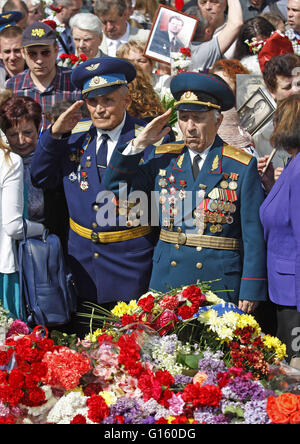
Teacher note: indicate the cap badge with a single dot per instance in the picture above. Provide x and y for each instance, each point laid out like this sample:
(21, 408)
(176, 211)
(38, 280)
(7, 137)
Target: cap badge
(38, 32)
(6, 16)
(92, 67)
(97, 81)
(189, 95)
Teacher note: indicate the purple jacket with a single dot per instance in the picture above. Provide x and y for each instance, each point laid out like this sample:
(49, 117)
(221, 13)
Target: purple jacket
(280, 216)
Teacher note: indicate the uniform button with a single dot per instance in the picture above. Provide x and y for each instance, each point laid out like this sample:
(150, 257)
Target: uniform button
(96, 255)
(176, 246)
(179, 230)
(199, 265)
(199, 248)
(94, 225)
(173, 263)
(96, 207)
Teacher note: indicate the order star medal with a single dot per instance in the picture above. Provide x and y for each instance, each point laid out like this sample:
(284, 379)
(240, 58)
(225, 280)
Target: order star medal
(84, 185)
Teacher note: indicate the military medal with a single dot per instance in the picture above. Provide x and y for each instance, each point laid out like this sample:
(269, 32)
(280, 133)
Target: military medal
(88, 162)
(84, 185)
(163, 181)
(233, 184)
(214, 194)
(172, 179)
(72, 177)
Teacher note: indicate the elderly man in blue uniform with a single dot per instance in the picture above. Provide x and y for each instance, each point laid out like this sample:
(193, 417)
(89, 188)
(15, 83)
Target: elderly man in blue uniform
(208, 195)
(109, 262)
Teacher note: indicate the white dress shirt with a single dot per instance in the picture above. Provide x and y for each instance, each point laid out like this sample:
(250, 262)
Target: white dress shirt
(203, 156)
(11, 211)
(113, 138)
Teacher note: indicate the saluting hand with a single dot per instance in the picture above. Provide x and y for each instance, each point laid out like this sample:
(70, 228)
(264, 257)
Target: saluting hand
(154, 131)
(67, 120)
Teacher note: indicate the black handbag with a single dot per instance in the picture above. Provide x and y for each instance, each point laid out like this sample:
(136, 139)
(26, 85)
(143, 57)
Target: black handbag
(47, 290)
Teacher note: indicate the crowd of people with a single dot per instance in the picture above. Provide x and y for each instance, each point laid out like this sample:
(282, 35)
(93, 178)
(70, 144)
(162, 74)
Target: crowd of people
(84, 110)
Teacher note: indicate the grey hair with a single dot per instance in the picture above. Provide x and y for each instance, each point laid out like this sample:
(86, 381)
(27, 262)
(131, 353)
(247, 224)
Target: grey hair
(102, 7)
(87, 22)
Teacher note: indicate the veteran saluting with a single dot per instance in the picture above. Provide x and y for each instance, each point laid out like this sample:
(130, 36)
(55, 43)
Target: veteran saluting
(109, 262)
(208, 195)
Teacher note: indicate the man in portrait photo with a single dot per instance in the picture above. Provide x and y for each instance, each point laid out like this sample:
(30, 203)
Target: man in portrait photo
(166, 41)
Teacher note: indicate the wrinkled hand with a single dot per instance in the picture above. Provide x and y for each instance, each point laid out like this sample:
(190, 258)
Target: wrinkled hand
(267, 178)
(248, 306)
(67, 120)
(154, 131)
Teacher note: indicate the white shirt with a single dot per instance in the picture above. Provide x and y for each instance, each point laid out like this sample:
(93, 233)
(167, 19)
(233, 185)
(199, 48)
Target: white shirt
(113, 138)
(11, 211)
(203, 156)
(113, 45)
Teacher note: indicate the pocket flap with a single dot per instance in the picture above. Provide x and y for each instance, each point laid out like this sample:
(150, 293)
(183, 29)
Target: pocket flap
(285, 267)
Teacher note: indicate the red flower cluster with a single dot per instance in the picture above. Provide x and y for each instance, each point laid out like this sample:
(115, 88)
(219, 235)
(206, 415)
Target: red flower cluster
(202, 395)
(185, 51)
(74, 59)
(194, 300)
(284, 409)
(21, 385)
(147, 303)
(163, 312)
(247, 352)
(98, 409)
(65, 367)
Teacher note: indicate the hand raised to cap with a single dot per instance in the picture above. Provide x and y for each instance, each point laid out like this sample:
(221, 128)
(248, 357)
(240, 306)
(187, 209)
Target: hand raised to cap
(67, 120)
(154, 131)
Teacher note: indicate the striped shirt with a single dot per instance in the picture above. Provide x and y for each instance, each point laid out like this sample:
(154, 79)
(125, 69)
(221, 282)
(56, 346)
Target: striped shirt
(59, 90)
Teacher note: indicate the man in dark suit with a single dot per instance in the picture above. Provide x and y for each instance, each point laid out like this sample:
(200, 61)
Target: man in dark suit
(111, 261)
(208, 196)
(165, 42)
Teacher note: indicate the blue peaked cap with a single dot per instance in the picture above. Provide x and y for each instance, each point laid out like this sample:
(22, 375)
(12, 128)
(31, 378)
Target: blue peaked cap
(10, 18)
(102, 75)
(199, 91)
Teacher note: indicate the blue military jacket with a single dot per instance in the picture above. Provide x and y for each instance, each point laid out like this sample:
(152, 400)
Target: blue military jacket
(227, 193)
(104, 272)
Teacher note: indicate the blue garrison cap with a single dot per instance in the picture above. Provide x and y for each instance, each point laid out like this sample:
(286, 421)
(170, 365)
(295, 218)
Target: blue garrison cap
(102, 75)
(10, 18)
(199, 91)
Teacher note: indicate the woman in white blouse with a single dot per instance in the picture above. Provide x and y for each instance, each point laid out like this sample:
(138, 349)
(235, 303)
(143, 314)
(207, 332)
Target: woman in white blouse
(11, 227)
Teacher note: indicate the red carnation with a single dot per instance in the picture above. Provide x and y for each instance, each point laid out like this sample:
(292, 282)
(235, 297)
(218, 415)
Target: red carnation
(98, 409)
(78, 419)
(164, 377)
(50, 23)
(146, 303)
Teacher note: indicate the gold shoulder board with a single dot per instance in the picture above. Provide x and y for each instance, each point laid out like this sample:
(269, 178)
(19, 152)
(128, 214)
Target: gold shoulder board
(237, 154)
(170, 148)
(82, 126)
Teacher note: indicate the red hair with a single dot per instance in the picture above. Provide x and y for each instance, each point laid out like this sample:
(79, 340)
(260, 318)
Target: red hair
(17, 109)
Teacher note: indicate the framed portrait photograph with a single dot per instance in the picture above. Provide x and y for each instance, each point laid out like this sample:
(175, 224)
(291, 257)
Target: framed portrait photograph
(255, 112)
(171, 30)
(246, 86)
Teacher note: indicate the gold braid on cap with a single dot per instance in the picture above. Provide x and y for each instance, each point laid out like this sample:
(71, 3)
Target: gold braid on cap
(190, 97)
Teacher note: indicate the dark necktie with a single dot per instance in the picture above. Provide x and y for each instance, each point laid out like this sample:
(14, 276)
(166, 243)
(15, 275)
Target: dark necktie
(195, 166)
(102, 156)
(173, 45)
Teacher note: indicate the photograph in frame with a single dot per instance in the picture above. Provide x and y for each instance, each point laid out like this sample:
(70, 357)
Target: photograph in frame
(246, 86)
(171, 30)
(255, 112)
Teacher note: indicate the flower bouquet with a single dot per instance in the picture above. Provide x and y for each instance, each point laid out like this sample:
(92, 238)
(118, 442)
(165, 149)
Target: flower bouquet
(71, 60)
(180, 61)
